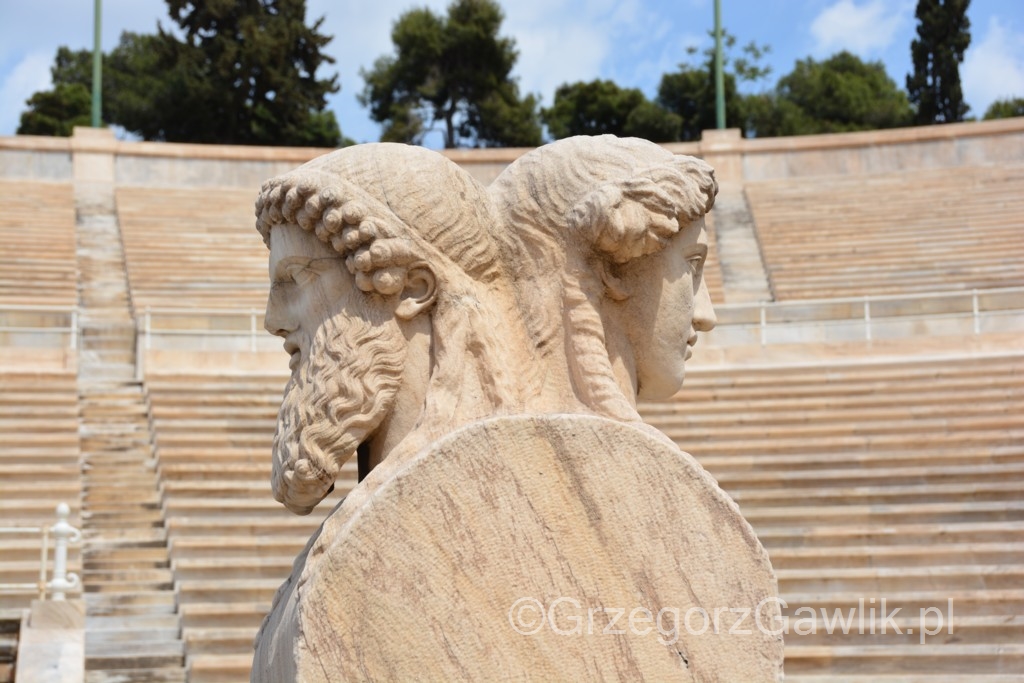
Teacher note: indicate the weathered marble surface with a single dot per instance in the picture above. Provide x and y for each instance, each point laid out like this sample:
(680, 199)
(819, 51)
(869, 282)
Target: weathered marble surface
(481, 351)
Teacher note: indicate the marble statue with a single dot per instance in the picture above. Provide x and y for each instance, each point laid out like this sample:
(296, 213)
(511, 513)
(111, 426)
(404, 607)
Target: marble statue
(394, 305)
(615, 244)
(481, 351)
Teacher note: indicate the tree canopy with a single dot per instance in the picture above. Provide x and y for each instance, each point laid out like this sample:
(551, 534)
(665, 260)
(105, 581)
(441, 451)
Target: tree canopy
(57, 111)
(601, 107)
(453, 71)
(840, 94)
(1005, 109)
(943, 34)
(690, 91)
(242, 73)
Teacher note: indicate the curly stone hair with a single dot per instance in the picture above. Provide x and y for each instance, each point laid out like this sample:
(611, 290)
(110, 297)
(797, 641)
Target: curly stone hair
(353, 200)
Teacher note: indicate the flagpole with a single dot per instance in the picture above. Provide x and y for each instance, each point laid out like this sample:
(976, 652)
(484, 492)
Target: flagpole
(97, 67)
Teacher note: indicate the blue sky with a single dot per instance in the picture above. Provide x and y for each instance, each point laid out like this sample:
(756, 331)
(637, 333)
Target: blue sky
(632, 42)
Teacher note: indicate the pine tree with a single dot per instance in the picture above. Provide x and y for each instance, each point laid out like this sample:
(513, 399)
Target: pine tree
(244, 73)
(451, 72)
(942, 38)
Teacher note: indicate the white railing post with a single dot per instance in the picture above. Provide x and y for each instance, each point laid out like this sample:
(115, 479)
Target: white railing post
(63, 533)
(252, 329)
(975, 312)
(149, 329)
(74, 329)
(764, 326)
(867, 318)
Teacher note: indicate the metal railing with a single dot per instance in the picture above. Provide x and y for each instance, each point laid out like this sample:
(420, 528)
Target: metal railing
(866, 318)
(10, 314)
(250, 326)
(894, 316)
(63, 535)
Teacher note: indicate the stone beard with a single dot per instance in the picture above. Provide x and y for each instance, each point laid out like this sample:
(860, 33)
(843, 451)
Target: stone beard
(334, 400)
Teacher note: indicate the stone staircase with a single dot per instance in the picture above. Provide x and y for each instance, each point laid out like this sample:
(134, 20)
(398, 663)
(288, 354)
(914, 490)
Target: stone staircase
(133, 631)
(744, 278)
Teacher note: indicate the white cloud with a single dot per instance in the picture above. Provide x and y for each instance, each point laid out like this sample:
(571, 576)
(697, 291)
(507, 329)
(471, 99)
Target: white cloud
(993, 69)
(32, 73)
(863, 29)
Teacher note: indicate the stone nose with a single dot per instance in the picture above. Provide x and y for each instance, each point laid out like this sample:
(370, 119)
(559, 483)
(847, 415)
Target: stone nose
(275, 319)
(704, 319)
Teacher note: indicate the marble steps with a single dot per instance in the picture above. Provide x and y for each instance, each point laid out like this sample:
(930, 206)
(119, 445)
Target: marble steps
(905, 678)
(881, 515)
(170, 675)
(892, 580)
(199, 548)
(904, 555)
(257, 489)
(767, 443)
(782, 411)
(25, 549)
(961, 425)
(227, 509)
(126, 572)
(1003, 602)
(881, 493)
(225, 640)
(278, 567)
(844, 628)
(847, 477)
(184, 431)
(227, 615)
(215, 668)
(57, 459)
(979, 454)
(828, 385)
(258, 525)
(937, 660)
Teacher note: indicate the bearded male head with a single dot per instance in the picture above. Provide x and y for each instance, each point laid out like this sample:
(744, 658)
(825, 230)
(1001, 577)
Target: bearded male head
(381, 265)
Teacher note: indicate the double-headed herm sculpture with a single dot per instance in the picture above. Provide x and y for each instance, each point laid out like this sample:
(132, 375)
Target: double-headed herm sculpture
(481, 350)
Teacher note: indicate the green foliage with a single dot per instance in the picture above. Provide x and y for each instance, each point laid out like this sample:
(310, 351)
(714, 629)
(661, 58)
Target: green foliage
(690, 92)
(57, 111)
(943, 34)
(840, 94)
(453, 71)
(602, 107)
(590, 109)
(245, 73)
(653, 122)
(1005, 109)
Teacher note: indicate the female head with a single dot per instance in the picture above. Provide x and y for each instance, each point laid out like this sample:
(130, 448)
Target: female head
(612, 236)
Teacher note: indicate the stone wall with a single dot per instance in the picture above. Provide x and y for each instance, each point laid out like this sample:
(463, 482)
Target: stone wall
(735, 158)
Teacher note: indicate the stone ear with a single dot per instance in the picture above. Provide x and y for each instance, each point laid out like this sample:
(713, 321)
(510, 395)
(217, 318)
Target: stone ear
(419, 292)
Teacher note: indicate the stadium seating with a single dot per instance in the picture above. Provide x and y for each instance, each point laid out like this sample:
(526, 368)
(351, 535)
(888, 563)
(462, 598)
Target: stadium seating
(37, 244)
(193, 248)
(895, 478)
(893, 233)
(39, 468)
(231, 544)
(899, 480)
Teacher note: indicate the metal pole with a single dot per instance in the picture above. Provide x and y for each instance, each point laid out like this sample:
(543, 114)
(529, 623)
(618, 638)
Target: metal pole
(97, 65)
(719, 75)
